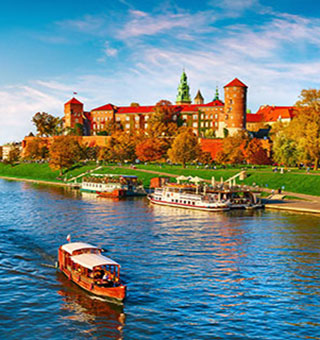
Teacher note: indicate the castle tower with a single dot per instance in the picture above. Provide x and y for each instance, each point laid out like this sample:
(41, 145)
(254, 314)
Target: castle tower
(198, 99)
(183, 96)
(235, 108)
(73, 113)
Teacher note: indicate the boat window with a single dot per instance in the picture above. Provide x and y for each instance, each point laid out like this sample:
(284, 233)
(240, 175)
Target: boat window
(193, 203)
(184, 202)
(188, 202)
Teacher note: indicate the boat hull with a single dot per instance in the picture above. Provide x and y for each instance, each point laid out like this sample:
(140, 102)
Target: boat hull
(117, 293)
(188, 206)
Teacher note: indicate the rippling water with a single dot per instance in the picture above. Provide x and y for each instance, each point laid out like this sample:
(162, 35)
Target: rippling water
(190, 275)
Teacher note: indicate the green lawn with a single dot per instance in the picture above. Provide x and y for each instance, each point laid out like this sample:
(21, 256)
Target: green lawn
(294, 181)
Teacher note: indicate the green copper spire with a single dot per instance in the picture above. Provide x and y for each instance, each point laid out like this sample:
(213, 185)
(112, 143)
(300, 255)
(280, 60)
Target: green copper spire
(183, 96)
(217, 94)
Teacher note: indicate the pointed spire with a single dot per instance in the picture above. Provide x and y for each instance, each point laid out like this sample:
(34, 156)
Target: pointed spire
(217, 94)
(198, 99)
(183, 96)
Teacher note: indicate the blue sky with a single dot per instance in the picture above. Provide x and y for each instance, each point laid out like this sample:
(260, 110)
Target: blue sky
(126, 51)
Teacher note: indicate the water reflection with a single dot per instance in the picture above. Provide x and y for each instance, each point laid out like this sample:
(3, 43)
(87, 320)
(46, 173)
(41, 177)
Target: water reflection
(107, 318)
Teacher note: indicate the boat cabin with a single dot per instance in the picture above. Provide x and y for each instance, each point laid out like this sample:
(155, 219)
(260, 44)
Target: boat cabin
(86, 261)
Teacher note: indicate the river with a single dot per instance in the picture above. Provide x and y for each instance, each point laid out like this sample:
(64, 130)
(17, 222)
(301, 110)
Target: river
(190, 275)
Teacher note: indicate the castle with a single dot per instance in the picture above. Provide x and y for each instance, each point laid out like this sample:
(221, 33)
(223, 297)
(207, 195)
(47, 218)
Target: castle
(215, 118)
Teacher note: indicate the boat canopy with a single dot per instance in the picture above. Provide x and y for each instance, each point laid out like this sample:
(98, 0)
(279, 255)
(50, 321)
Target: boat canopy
(93, 260)
(73, 246)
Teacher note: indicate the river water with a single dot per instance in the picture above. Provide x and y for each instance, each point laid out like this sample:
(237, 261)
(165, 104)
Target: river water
(190, 275)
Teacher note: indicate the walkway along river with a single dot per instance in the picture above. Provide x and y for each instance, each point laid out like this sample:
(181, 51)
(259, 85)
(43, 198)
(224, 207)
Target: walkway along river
(190, 274)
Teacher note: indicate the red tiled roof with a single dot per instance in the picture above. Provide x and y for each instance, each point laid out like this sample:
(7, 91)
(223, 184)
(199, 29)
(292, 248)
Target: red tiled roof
(216, 102)
(254, 117)
(106, 107)
(274, 113)
(236, 82)
(73, 101)
(135, 109)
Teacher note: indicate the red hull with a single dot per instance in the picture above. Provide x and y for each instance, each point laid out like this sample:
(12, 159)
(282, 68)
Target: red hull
(118, 193)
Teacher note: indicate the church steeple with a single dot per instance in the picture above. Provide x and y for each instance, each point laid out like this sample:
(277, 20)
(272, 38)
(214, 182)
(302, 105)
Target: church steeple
(217, 94)
(183, 96)
(198, 99)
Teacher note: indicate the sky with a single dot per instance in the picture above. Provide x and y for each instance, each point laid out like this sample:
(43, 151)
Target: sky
(123, 51)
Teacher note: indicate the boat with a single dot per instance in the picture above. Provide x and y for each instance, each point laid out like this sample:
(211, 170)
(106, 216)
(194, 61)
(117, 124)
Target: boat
(187, 196)
(84, 264)
(240, 198)
(114, 186)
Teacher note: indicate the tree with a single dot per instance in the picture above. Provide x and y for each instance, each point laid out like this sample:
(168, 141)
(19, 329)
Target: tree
(185, 148)
(64, 152)
(36, 149)
(255, 154)
(285, 149)
(305, 127)
(165, 112)
(150, 149)
(13, 155)
(47, 125)
(205, 157)
(233, 149)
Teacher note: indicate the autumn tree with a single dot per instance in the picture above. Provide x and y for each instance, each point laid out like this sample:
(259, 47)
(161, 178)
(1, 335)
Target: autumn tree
(305, 127)
(285, 149)
(185, 148)
(255, 153)
(64, 152)
(36, 149)
(205, 157)
(233, 149)
(150, 149)
(13, 155)
(165, 112)
(47, 125)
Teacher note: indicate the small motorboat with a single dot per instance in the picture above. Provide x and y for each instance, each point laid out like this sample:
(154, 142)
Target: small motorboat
(84, 264)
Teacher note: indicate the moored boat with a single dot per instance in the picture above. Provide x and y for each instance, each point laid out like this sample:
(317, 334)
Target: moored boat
(187, 196)
(84, 264)
(114, 186)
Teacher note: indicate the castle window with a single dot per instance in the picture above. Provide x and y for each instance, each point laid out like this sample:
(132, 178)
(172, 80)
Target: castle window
(229, 109)
(202, 124)
(146, 125)
(174, 117)
(137, 118)
(195, 124)
(127, 126)
(127, 118)
(211, 116)
(117, 119)
(216, 116)
(231, 117)
(195, 117)
(216, 123)
(202, 116)
(184, 116)
(230, 101)
(146, 117)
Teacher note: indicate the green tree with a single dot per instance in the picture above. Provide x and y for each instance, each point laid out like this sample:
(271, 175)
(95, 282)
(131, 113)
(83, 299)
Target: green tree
(185, 148)
(305, 127)
(47, 125)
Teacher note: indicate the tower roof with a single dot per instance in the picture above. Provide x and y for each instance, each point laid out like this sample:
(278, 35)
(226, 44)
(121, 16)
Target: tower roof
(236, 82)
(73, 101)
(198, 95)
(183, 90)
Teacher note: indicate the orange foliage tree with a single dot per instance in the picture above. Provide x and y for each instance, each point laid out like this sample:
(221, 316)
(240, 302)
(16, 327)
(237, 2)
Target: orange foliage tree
(255, 154)
(185, 148)
(64, 152)
(150, 149)
(233, 149)
(36, 149)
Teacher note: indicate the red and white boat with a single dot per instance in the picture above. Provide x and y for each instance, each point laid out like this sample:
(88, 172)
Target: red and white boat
(84, 264)
(187, 196)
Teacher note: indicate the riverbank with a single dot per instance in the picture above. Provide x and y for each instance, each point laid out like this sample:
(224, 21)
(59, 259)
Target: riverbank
(262, 177)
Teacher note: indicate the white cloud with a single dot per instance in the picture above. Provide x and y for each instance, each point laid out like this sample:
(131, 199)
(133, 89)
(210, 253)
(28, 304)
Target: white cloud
(143, 24)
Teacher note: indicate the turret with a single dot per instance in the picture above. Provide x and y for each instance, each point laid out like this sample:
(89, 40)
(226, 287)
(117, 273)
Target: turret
(183, 96)
(73, 113)
(198, 99)
(235, 108)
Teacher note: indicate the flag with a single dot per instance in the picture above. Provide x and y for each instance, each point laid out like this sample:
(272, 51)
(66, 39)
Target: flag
(69, 238)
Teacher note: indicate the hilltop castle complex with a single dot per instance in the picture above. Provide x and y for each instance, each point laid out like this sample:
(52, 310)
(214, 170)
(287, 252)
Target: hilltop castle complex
(214, 118)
